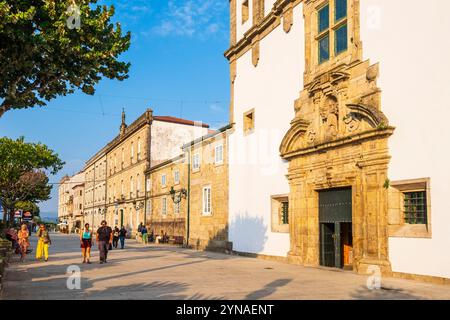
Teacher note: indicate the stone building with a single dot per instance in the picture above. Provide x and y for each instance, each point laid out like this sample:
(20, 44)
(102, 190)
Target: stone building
(167, 197)
(95, 190)
(208, 190)
(188, 194)
(64, 200)
(68, 201)
(148, 141)
(78, 205)
(360, 182)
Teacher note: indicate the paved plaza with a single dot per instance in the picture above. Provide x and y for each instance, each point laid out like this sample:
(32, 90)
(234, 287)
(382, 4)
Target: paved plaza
(166, 272)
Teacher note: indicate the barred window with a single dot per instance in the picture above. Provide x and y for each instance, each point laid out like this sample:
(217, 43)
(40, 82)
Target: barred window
(415, 207)
(285, 212)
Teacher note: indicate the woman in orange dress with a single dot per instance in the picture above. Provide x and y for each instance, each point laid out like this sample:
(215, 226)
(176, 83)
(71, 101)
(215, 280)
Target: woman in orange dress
(24, 241)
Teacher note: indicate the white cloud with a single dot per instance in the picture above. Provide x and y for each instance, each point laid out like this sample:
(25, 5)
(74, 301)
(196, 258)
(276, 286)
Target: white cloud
(192, 18)
(216, 108)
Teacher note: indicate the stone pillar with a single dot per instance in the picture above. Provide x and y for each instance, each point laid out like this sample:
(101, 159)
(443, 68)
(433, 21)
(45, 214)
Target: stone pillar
(371, 236)
(295, 227)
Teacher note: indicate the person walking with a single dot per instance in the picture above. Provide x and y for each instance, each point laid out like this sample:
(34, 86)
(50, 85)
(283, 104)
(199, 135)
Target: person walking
(144, 232)
(24, 241)
(122, 235)
(104, 240)
(44, 242)
(86, 243)
(116, 237)
(139, 233)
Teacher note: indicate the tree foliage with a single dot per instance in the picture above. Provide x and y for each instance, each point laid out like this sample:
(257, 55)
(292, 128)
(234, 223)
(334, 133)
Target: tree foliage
(28, 206)
(22, 172)
(42, 58)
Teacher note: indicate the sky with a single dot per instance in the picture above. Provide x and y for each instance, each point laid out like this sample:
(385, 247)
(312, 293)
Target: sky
(177, 69)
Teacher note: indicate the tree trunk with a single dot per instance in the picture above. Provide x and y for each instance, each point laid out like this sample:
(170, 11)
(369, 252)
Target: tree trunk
(11, 217)
(5, 213)
(2, 111)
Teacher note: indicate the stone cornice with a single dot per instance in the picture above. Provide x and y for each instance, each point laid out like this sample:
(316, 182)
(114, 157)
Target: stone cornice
(259, 31)
(370, 134)
(145, 119)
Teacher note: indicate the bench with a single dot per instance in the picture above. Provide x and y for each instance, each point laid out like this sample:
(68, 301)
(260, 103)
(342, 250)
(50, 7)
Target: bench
(176, 240)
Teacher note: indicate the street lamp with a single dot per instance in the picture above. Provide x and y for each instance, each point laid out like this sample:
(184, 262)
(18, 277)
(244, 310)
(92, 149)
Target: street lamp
(178, 195)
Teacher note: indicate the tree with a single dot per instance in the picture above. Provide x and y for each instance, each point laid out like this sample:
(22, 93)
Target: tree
(45, 57)
(28, 206)
(22, 176)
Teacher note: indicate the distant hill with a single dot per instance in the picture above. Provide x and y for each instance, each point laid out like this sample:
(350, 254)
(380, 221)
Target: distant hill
(49, 219)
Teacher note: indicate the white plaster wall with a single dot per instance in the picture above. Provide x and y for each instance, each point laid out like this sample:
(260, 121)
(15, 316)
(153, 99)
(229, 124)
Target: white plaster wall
(242, 28)
(410, 39)
(168, 138)
(268, 5)
(256, 169)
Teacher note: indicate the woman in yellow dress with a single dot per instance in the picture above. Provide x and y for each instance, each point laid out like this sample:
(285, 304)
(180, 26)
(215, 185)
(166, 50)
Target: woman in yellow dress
(24, 241)
(43, 243)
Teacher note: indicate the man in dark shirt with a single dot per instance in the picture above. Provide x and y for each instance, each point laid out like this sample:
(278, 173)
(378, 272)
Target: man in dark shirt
(104, 239)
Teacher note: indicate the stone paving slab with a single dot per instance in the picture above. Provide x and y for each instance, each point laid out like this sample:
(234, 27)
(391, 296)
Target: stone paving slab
(165, 272)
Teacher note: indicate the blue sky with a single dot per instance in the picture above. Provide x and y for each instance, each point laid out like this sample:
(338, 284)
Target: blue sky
(178, 69)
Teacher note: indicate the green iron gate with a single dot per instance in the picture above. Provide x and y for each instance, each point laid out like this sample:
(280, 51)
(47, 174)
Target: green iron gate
(335, 208)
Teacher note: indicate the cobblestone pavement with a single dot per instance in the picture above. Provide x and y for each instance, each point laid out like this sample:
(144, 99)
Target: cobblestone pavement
(164, 272)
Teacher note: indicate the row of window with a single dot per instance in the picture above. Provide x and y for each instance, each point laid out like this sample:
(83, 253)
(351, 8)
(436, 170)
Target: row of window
(112, 189)
(206, 203)
(96, 173)
(218, 157)
(414, 209)
(176, 178)
(113, 165)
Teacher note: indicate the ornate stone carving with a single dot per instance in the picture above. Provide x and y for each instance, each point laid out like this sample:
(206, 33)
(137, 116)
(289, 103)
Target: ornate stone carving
(374, 117)
(352, 122)
(338, 117)
(329, 113)
(311, 136)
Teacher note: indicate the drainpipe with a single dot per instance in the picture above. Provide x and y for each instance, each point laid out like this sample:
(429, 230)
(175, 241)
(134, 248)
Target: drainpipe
(188, 197)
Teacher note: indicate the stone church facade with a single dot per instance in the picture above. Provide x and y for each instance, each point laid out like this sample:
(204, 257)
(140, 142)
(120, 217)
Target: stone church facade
(303, 67)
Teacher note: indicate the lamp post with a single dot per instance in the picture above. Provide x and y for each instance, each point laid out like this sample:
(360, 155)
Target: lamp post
(138, 206)
(177, 196)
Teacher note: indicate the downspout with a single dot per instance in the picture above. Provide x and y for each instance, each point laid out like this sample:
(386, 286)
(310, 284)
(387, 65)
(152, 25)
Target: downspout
(149, 157)
(188, 197)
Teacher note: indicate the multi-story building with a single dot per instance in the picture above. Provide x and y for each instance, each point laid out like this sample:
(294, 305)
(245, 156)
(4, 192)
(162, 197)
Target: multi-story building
(167, 197)
(78, 205)
(146, 142)
(349, 189)
(63, 199)
(187, 195)
(95, 190)
(68, 212)
(207, 186)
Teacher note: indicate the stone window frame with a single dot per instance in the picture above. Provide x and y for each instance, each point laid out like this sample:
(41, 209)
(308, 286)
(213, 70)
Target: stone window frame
(221, 161)
(249, 125)
(354, 45)
(245, 11)
(397, 226)
(131, 152)
(164, 206)
(196, 165)
(164, 180)
(176, 173)
(276, 214)
(333, 26)
(210, 212)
